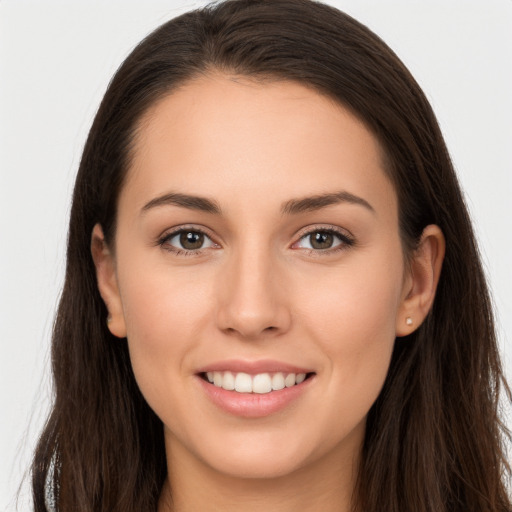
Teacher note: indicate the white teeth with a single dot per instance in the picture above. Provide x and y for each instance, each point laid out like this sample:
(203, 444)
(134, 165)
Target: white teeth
(228, 381)
(289, 380)
(277, 381)
(243, 383)
(260, 383)
(217, 379)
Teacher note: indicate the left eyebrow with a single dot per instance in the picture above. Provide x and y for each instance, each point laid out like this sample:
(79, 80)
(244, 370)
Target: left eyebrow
(184, 201)
(312, 203)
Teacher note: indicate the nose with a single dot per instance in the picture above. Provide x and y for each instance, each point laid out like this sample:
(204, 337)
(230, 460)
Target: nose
(252, 299)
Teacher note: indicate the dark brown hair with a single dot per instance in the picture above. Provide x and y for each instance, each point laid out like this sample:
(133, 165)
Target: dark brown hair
(434, 441)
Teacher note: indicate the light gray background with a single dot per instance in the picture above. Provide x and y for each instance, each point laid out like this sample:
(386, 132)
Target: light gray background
(56, 59)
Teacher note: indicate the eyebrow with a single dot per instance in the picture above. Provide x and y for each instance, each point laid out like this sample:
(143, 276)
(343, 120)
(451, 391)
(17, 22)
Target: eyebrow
(291, 207)
(308, 204)
(185, 201)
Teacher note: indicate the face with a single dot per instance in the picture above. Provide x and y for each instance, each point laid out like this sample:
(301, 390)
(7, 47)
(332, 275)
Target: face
(257, 246)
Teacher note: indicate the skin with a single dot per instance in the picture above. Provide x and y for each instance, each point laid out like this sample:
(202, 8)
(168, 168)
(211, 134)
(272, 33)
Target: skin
(258, 290)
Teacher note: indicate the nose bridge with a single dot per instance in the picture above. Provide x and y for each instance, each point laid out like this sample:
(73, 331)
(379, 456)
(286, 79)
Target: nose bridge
(252, 301)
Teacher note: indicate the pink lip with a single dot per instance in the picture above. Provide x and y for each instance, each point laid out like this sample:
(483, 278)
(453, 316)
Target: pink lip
(252, 367)
(253, 405)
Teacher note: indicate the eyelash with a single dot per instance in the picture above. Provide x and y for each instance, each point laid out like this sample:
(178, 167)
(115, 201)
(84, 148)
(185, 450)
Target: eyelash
(346, 241)
(164, 241)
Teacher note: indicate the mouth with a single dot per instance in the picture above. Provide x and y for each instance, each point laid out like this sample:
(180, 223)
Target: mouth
(255, 389)
(260, 383)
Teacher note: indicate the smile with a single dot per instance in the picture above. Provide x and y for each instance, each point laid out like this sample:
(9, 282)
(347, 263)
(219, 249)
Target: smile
(255, 389)
(260, 383)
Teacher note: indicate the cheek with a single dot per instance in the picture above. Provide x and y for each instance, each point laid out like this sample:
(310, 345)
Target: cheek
(352, 319)
(161, 302)
(355, 303)
(164, 314)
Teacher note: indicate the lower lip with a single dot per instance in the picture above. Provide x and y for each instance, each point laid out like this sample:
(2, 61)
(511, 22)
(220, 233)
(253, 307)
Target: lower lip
(254, 405)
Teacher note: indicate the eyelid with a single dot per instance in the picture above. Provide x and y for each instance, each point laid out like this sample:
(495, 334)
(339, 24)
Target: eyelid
(170, 233)
(346, 238)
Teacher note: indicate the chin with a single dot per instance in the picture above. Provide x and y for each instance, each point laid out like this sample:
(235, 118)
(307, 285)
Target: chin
(262, 466)
(269, 455)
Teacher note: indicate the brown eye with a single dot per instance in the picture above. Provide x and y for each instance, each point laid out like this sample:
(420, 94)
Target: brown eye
(187, 240)
(324, 240)
(191, 240)
(321, 240)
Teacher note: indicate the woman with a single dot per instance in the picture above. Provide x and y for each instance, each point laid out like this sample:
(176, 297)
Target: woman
(273, 296)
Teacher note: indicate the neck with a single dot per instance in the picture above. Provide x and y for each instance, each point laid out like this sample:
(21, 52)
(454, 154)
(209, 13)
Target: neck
(327, 484)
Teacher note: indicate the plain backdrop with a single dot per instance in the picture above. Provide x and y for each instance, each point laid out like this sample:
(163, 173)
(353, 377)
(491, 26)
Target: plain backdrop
(56, 59)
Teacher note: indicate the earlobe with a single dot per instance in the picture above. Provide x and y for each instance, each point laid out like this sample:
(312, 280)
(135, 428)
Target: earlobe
(421, 285)
(107, 282)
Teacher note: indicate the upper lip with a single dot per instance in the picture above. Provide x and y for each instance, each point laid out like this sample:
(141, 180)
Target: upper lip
(252, 367)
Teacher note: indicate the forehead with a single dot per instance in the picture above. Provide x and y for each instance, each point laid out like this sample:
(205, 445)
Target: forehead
(233, 137)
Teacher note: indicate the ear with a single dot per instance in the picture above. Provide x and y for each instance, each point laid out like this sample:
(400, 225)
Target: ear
(107, 282)
(421, 281)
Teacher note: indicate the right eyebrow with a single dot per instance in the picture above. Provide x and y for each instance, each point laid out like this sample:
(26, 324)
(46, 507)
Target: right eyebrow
(185, 201)
(317, 202)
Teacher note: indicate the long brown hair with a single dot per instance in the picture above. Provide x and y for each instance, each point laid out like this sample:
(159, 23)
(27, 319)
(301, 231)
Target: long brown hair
(434, 440)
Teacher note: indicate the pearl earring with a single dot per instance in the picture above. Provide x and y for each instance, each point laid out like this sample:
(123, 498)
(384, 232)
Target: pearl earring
(408, 320)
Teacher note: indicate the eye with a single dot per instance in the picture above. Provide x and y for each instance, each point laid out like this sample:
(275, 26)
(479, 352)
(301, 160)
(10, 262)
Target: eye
(323, 240)
(187, 240)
